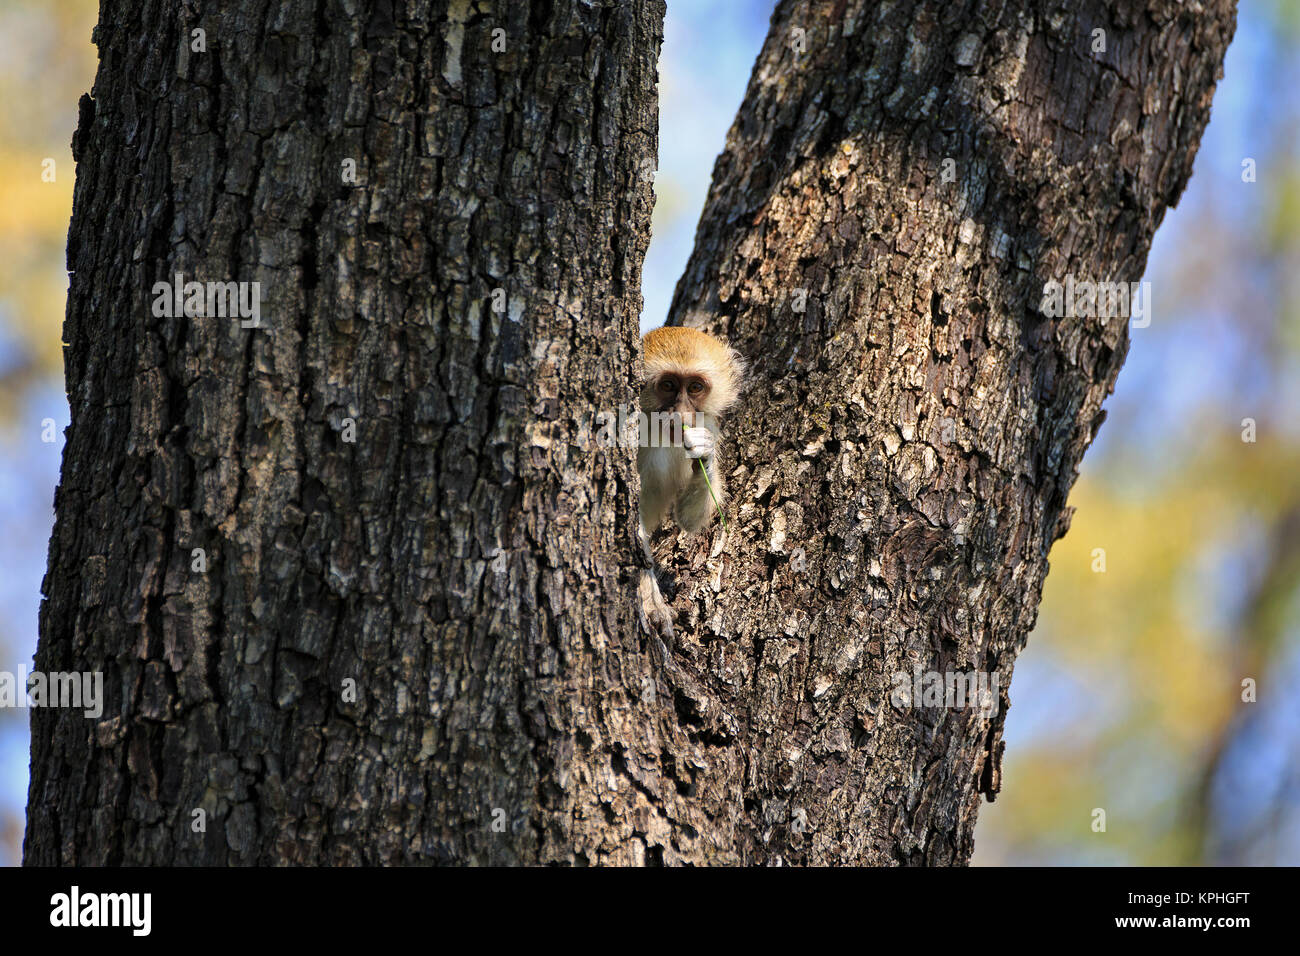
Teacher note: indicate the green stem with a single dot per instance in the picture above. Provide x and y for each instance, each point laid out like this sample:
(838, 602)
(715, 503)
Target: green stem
(708, 484)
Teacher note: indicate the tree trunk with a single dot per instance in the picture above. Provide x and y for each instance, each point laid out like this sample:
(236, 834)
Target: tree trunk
(459, 560)
(411, 635)
(916, 420)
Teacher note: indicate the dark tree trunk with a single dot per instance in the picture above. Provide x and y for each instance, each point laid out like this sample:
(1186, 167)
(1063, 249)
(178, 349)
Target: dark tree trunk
(469, 560)
(461, 559)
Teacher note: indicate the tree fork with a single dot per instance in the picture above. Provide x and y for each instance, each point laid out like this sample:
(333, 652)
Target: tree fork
(422, 644)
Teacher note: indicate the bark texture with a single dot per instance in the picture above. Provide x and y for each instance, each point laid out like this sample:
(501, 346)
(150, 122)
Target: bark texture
(470, 560)
(459, 559)
(915, 422)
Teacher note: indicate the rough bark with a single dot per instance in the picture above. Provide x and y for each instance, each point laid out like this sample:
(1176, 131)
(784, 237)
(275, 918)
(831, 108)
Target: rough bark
(460, 557)
(470, 560)
(912, 433)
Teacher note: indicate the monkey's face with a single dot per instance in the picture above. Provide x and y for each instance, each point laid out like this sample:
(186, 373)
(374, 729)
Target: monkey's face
(687, 393)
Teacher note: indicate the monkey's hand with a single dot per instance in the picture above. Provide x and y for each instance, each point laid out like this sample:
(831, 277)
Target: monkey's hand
(698, 442)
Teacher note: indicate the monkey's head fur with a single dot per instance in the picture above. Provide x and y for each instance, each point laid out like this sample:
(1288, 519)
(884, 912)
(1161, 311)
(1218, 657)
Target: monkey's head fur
(676, 352)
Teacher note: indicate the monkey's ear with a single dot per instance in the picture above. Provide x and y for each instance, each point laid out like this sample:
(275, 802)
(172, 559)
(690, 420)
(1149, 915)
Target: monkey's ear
(740, 371)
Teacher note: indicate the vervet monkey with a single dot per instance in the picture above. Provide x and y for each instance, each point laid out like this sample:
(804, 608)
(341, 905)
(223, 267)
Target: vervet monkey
(690, 374)
(691, 379)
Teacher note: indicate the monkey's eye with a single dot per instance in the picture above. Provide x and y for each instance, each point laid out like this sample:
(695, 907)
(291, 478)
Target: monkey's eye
(695, 387)
(668, 385)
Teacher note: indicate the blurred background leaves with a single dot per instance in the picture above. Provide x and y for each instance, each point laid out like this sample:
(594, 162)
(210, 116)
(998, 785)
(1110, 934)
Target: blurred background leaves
(46, 62)
(1128, 697)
